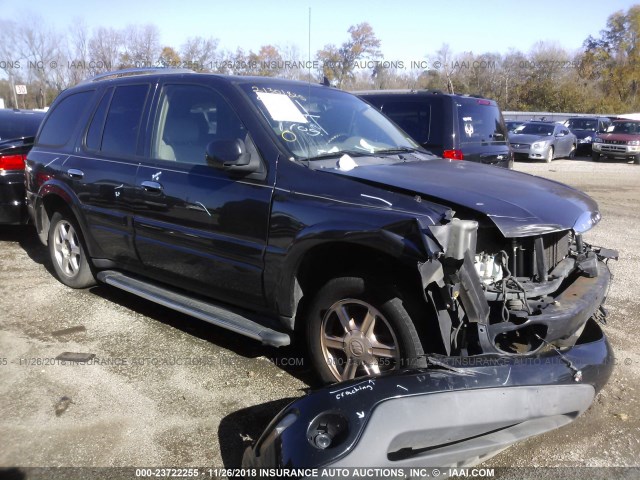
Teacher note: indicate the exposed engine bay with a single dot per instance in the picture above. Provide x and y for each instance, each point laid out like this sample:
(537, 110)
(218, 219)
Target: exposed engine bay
(514, 295)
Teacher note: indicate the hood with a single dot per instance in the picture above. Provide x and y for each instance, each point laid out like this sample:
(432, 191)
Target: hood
(619, 137)
(527, 138)
(517, 203)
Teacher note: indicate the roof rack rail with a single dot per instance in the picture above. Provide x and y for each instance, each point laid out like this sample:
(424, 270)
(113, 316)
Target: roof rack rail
(128, 72)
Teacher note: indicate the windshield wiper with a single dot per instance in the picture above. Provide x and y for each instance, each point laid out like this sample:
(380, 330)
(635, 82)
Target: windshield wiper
(351, 153)
(388, 151)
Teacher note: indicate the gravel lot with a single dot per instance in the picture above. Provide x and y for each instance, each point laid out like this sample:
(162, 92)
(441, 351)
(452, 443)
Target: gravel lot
(165, 389)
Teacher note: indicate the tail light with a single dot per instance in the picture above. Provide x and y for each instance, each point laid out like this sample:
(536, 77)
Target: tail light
(12, 162)
(453, 154)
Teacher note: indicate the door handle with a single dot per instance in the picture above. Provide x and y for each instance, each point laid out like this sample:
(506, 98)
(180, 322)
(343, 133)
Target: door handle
(151, 186)
(74, 173)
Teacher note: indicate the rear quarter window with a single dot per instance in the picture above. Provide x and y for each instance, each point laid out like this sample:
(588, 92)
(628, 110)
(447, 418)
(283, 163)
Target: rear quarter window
(421, 119)
(62, 121)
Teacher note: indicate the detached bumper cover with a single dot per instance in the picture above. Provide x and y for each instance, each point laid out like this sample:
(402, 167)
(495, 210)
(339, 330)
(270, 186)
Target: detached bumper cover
(459, 415)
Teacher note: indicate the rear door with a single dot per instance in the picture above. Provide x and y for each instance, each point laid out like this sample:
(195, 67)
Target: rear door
(196, 226)
(101, 170)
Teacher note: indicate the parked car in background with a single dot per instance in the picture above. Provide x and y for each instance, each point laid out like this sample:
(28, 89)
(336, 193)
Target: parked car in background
(512, 124)
(543, 141)
(621, 140)
(458, 127)
(17, 132)
(585, 129)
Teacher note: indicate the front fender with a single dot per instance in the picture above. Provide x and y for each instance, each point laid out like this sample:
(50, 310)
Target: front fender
(388, 240)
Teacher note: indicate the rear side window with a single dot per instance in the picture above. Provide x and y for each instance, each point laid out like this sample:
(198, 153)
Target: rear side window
(420, 119)
(93, 140)
(64, 118)
(120, 136)
(479, 121)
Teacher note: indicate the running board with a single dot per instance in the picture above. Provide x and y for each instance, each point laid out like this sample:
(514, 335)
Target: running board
(208, 312)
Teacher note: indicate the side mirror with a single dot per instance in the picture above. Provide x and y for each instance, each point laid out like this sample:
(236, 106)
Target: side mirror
(227, 154)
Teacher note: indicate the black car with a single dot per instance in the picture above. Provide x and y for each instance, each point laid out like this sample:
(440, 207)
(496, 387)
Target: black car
(270, 207)
(17, 131)
(459, 127)
(586, 129)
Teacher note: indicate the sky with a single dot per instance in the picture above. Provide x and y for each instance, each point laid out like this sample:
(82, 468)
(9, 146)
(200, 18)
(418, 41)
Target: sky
(408, 29)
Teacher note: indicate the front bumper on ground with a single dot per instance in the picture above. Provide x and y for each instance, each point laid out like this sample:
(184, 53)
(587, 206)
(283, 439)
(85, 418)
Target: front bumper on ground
(457, 414)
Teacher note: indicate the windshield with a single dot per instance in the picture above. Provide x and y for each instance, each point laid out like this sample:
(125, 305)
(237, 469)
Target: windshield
(311, 121)
(535, 129)
(582, 124)
(632, 128)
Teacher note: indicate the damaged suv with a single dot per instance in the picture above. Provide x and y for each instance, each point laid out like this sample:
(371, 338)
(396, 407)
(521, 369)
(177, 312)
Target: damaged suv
(270, 207)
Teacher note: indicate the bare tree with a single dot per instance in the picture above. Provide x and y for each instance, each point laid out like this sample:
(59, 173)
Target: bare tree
(200, 53)
(105, 47)
(141, 46)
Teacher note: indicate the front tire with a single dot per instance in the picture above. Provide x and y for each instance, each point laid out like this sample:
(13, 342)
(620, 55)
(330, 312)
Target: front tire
(549, 156)
(595, 156)
(357, 327)
(636, 159)
(68, 253)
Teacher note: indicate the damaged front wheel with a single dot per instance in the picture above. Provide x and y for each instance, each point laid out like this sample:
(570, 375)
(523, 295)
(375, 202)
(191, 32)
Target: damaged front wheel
(358, 327)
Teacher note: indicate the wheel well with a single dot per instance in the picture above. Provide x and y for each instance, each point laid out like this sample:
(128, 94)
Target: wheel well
(50, 205)
(331, 260)
(327, 261)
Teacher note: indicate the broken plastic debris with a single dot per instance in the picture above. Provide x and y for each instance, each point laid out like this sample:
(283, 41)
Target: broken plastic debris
(346, 163)
(75, 356)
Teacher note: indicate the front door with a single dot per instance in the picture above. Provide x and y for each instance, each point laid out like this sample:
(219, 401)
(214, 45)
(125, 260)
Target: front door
(198, 226)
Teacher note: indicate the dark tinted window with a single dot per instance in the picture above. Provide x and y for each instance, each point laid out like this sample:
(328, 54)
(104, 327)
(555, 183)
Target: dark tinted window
(480, 121)
(19, 124)
(419, 118)
(123, 120)
(190, 117)
(94, 134)
(62, 121)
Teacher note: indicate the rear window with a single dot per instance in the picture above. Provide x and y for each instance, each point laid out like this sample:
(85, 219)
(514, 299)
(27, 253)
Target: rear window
(19, 124)
(480, 121)
(62, 120)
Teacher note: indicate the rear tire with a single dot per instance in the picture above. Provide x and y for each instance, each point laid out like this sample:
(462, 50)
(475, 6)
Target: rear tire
(68, 252)
(636, 159)
(357, 326)
(572, 153)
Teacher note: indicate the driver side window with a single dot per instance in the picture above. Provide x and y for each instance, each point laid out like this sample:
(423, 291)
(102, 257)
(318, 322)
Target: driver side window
(189, 118)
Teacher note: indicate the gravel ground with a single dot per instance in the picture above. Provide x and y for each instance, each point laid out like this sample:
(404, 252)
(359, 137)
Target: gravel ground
(165, 389)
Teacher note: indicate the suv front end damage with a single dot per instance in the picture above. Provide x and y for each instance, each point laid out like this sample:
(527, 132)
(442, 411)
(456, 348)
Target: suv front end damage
(513, 296)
